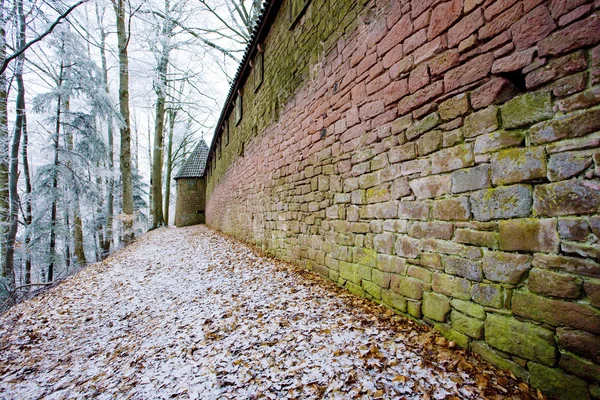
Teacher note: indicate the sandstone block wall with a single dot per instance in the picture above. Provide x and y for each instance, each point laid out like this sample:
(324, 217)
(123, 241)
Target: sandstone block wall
(190, 207)
(442, 158)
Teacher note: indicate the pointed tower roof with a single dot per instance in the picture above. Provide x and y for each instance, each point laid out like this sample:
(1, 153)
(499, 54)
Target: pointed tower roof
(194, 166)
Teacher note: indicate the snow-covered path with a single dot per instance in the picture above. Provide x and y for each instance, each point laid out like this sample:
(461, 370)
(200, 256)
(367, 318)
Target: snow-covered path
(187, 313)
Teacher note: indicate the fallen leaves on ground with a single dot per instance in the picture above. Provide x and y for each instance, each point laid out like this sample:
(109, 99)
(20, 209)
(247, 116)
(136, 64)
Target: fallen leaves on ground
(189, 313)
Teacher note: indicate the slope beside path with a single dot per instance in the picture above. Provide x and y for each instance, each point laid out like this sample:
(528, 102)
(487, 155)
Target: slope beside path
(188, 313)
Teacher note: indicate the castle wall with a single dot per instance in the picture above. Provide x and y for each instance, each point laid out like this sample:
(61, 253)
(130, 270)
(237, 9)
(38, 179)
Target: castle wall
(191, 201)
(441, 158)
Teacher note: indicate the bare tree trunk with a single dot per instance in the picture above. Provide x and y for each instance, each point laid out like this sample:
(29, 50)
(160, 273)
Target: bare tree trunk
(151, 191)
(169, 167)
(4, 156)
(53, 207)
(106, 241)
(125, 156)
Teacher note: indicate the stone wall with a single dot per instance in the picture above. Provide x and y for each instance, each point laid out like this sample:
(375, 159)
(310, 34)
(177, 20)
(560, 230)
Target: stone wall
(191, 201)
(441, 158)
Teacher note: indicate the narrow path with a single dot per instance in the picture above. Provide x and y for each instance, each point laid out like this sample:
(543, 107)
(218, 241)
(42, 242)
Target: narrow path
(187, 313)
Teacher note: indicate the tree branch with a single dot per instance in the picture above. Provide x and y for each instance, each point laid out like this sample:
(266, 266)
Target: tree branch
(20, 51)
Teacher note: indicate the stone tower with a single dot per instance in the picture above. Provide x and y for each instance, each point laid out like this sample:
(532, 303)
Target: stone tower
(191, 188)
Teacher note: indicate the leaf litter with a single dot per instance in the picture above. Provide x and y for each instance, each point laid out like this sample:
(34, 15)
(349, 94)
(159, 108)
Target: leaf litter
(191, 313)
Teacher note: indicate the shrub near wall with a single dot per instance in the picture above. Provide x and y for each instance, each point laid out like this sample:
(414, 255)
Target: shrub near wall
(441, 158)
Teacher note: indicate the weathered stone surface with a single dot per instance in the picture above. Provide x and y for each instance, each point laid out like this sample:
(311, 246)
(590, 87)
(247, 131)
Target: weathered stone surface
(469, 308)
(567, 264)
(532, 28)
(462, 267)
(579, 34)
(496, 91)
(578, 123)
(443, 16)
(579, 342)
(452, 158)
(556, 383)
(498, 140)
(413, 210)
(488, 295)
(553, 284)
(455, 209)
(477, 238)
(529, 234)
(527, 109)
(592, 289)
(431, 186)
(407, 246)
(393, 300)
(498, 359)
(364, 256)
(407, 287)
(389, 263)
(349, 271)
(505, 267)
(384, 243)
(452, 334)
(556, 312)
(428, 143)
(514, 61)
(451, 286)
(434, 230)
(480, 122)
(525, 340)
(581, 249)
(469, 72)
(371, 288)
(435, 306)
(469, 326)
(579, 367)
(454, 107)
(467, 180)
(503, 202)
(422, 274)
(518, 165)
(573, 229)
(563, 166)
(380, 278)
(567, 198)
(426, 124)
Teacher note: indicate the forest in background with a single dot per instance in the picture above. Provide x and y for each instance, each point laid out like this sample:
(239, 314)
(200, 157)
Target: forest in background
(100, 102)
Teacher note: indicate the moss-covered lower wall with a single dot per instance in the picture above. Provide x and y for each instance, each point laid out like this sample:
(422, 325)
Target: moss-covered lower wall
(190, 206)
(442, 158)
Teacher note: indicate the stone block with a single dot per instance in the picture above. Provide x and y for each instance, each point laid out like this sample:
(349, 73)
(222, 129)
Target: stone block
(455, 107)
(518, 165)
(568, 264)
(592, 289)
(378, 194)
(579, 342)
(503, 202)
(349, 271)
(463, 267)
(563, 166)
(527, 109)
(532, 28)
(556, 383)
(400, 188)
(422, 274)
(505, 267)
(526, 340)
(431, 260)
(498, 140)
(407, 287)
(431, 186)
(573, 197)
(476, 238)
(575, 124)
(496, 91)
(393, 300)
(414, 308)
(407, 246)
(380, 278)
(469, 308)
(470, 179)
(371, 288)
(393, 264)
(452, 334)
(429, 142)
(469, 326)
(529, 234)
(443, 16)
(488, 295)
(386, 210)
(454, 209)
(432, 230)
(549, 283)
(452, 158)
(480, 122)
(499, 359)
(556, 312)
(413, 210)
(407, 151)
(577, 35)
(414, 167)
(579, 367)
(465, 27)
(573, 229)
(364, 256)
(452, 286)
(384, 243)
(435, 306)
(424, 125)
(469, 72)
(514, 61)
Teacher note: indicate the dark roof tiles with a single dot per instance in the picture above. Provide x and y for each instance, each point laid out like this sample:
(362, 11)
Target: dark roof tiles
(195, 164)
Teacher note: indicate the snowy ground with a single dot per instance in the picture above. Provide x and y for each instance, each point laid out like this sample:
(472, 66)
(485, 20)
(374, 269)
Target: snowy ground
(187, 313)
